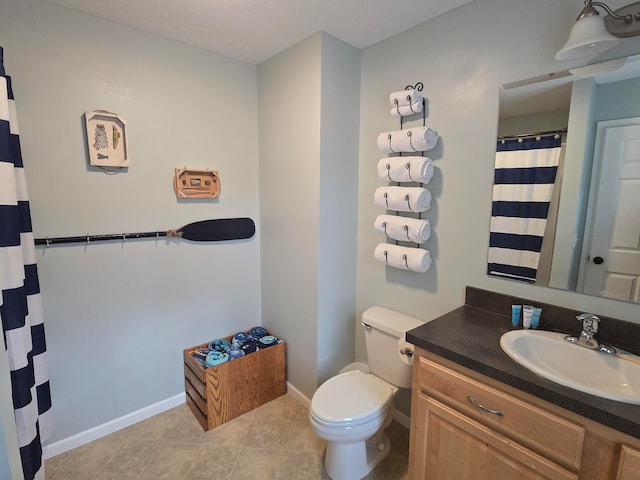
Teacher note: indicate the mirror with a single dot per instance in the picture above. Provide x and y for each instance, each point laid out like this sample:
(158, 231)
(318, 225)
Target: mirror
(588, 237)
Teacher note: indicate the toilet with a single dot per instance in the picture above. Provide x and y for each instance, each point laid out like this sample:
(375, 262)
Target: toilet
(351, 410)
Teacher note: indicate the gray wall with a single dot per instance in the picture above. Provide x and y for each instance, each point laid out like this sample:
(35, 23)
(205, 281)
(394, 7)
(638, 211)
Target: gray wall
(574, 198)
(462, 57)
(590, 104)
(118, 315)
(533, 122)
(289, 116)
(5, 472)
(308, 104)
(142, 302)
(339, 127)
(617, 100)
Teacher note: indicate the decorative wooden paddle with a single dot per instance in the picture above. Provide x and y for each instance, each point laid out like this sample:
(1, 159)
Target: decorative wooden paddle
(216, 230)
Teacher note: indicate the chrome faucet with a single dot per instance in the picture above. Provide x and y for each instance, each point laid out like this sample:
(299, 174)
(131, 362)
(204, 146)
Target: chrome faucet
(590, 324)
(587, 337)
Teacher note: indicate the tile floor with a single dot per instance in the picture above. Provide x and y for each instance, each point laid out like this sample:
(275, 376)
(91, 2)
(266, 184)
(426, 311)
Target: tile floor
(273, 441)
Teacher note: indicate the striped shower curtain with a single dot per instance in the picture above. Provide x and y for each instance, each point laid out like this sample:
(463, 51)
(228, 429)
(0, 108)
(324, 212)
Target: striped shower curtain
(525, 173)
(20, 302)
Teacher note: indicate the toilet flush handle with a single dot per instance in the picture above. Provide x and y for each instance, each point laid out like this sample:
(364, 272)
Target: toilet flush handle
(366, 327)
(406, 351)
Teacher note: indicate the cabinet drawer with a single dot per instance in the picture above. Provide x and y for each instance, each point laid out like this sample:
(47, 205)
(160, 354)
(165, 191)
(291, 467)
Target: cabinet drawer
(461, 448)
(538, 429)
(629, 468)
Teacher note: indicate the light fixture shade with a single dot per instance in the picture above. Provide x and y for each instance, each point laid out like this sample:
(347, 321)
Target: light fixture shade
(588, 37)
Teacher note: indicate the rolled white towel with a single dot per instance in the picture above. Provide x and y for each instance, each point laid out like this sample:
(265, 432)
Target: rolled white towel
(403, 199)
(404, 229)
(405, 97)
(405, 110)
(405, 169)
(405, 258)
(417, 139)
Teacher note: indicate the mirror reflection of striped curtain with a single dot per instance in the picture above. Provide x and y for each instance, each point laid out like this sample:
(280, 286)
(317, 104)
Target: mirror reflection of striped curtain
(20, 302)
(525, 172)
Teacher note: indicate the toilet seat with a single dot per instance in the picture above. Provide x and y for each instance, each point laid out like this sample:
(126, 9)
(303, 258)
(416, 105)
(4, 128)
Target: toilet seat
(351, 399)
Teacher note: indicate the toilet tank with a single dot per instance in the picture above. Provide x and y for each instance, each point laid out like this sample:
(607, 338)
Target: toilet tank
(387, 329)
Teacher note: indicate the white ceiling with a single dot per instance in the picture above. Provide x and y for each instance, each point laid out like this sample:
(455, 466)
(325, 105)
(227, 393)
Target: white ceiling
(255, 30)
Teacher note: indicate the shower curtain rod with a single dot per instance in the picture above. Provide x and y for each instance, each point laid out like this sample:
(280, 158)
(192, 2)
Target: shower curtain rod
(533, 135)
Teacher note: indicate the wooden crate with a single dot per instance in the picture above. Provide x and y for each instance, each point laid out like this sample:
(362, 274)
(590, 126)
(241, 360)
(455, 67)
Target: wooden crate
(218, 394)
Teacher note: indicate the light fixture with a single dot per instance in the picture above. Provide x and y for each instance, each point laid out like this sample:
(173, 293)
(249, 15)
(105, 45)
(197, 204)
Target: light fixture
(592, 34)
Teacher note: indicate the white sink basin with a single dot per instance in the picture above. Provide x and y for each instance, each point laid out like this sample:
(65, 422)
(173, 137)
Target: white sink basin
(590, 371)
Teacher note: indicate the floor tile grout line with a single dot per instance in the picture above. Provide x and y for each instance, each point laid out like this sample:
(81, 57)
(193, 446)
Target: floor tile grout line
(291, 415)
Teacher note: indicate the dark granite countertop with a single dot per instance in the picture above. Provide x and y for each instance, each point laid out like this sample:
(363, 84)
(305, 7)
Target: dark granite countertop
(470, 336)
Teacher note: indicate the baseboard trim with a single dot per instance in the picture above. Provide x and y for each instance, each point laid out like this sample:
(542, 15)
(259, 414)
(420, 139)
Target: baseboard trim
(82, 438)
(301, 397)
(64, 445)
(402, 419)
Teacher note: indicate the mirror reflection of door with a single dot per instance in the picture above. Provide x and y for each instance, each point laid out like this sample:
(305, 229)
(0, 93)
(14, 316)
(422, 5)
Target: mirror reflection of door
(611, 260)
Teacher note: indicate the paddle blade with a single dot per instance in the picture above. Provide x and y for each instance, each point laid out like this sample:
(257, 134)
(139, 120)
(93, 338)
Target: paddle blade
(219, 229)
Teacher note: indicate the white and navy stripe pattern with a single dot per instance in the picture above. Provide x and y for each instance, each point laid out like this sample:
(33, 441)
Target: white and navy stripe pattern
(20, 302)
(525, 174)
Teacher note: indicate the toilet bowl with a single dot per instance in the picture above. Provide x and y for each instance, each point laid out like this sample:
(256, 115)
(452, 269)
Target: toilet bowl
(351, 410)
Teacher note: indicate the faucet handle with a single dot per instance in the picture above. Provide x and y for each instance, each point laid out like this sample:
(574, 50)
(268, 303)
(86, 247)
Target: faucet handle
(589, 322)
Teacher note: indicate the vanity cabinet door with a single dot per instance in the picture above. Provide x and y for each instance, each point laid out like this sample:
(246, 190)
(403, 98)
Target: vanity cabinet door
(538, 429)
(448, 445)
(629, 467)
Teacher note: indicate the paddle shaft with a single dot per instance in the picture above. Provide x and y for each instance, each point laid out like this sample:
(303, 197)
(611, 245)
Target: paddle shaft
(98, 238)
(204, 231)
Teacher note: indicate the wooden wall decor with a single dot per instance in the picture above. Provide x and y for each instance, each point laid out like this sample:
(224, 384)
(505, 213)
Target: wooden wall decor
(196, 183)
(107, 139)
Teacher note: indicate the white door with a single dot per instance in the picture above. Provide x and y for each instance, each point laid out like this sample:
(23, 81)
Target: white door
(612, 260)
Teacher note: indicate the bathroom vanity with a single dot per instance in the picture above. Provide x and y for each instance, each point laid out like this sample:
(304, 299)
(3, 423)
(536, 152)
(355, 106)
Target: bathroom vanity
(477, 414)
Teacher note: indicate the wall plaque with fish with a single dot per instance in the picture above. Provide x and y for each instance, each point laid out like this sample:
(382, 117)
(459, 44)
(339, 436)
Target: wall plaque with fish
(106, 139)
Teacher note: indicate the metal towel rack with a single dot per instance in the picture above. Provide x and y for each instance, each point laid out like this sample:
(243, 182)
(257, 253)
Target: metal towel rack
(418, 86)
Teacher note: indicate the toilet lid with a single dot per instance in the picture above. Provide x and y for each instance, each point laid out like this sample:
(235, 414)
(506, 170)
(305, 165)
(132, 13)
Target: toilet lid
(350, 396)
